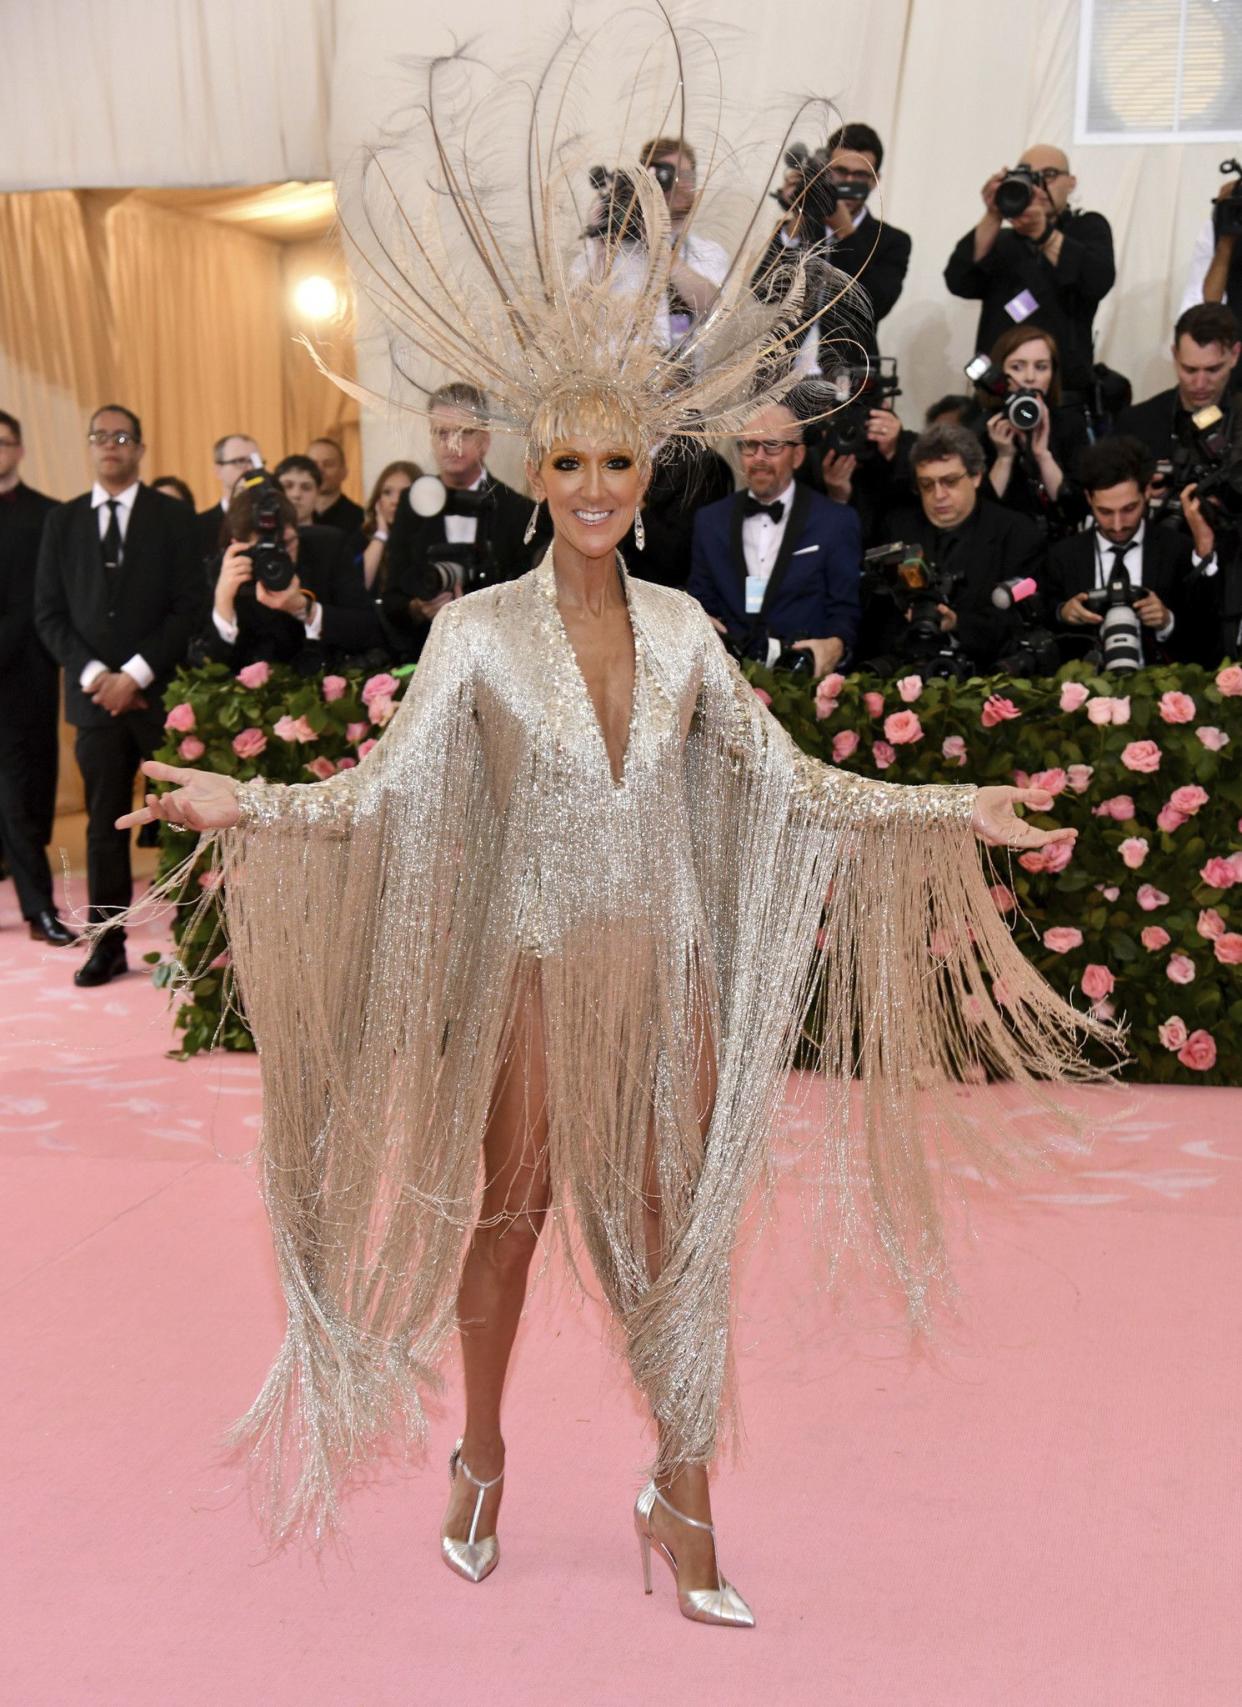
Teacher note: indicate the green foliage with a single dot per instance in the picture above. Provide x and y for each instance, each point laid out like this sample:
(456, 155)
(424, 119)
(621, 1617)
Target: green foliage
(1096, 894)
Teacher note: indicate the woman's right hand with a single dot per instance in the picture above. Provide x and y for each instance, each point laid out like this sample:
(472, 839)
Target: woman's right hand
(205, 800)
(235, 570)
(1004, 435)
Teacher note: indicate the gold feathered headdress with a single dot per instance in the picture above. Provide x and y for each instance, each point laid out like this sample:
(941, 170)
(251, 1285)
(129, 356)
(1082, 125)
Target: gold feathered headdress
(478, 267)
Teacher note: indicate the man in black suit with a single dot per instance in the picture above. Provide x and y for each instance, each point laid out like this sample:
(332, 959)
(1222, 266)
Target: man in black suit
(118, 595)
(1174, 611)
(483, 518)
(233, 455)
(332, 508)
(322, 617)
(856, 243)
(1206, 348)
(1050, 266)
(29, 699)
(961, 536)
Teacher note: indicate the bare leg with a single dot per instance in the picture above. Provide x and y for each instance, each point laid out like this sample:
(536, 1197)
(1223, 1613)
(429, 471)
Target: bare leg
(687, 1487)
(493, 1283)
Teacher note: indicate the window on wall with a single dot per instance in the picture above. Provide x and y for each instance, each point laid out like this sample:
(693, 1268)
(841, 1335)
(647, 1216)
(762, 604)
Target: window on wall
(1160, 71)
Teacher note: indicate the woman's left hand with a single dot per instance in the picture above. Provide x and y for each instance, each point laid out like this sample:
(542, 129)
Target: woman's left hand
(995, 822)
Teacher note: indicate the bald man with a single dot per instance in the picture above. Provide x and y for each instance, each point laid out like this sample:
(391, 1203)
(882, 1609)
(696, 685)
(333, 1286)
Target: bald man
(1049, 266)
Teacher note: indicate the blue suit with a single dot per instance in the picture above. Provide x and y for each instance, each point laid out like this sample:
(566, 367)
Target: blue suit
(812, 592)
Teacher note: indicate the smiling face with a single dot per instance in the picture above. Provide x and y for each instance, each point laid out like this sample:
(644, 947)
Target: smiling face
(592, 487)
(770, 447)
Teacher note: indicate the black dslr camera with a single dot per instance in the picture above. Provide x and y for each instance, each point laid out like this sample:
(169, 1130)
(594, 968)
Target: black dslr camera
(618, 216)
(814, 194)
(269, 555)
(1016, 191)
(1020, 407)
(900, 576)
(1227, 214)
(1119, 638)
(1034, 652)
(446, 567)
(861, 389)
(1205, 455)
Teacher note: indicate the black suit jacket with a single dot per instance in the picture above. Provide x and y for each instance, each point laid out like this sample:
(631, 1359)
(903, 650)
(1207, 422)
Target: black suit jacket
(154, 605)
(26, 666)
(1067, 294)
(881, 276)
(1071, 568)
(502, 524)
(342, 513)
(211, 527)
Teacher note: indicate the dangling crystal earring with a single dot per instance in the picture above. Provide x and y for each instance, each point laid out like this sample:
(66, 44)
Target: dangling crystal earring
(640, 532)
(531, 525)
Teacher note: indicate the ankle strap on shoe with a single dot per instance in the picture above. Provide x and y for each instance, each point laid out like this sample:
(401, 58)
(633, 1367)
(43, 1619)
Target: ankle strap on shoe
(470, 1476)
(694, 1522)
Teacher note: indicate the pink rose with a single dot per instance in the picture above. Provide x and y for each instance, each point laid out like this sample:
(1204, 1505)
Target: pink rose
(1173, 1032)
(1100, 710)
(382, 708)
(903, 727)
(250, 743)
(844, 745)
(1181, 969)
(761, 694)
(1133, 851)
(191, 748)
(1141, 756)
(1079, 777)
(1198, 1052)
(1119, 806)
(832, 684)
(1005, 899)
(997, 710)
(1169, 819)
(874, 703)
(1054, 857)
(1021, 779)
(954, 747)
(1229, 680)
(334, 687)
(1188, 798)
(1121, 709)
(294, 729)
(378, 687)
(254, 675)
(1228, 949)
(1218, 874)
(1212, 737)
(883, 754)
(1149, 897)
(356, 732)
(365, 748)
(180, 718)
(1052, 782)
(1177, 707)
(1210, 923)
(346, 764)
(910, 687)
(825, 707)
(1073, 696)
(211, 879)
(1109, 891)
(1097, 982)
(1061, 938)
(1154, 938)
(321, 767)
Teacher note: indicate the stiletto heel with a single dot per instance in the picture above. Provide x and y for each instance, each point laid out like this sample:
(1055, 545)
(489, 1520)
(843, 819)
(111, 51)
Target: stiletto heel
(471, 1558)
(721, 1605)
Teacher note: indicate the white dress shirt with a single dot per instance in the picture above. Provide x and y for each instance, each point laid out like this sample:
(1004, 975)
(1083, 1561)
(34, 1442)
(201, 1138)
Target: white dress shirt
(1132, 563)
(464, 530)
(136, 668)
(761, 536)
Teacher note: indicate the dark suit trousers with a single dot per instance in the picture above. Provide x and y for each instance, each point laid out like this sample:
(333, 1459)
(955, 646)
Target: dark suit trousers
(29, 755)
(108, 757)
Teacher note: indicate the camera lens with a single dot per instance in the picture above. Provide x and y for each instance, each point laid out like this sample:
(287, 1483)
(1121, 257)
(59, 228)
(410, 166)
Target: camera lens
(1022, 410)
(1013, 195)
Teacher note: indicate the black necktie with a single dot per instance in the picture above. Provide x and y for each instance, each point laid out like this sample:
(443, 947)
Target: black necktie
(773, 511)
(112, 539)
(1119, 563)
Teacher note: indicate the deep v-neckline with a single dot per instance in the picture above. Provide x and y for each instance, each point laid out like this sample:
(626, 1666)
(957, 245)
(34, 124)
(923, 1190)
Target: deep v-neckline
(617, 777)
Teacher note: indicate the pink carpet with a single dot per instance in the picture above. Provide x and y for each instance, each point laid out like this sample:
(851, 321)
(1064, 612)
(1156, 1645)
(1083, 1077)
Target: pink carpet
(1045, 1515)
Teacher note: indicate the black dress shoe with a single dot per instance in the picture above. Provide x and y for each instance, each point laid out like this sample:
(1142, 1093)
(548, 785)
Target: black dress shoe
(104, 962)
(47, 927)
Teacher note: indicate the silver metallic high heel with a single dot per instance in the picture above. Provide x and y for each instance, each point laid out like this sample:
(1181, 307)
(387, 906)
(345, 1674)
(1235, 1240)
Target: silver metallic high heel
(471, 1559)
(719, 1605)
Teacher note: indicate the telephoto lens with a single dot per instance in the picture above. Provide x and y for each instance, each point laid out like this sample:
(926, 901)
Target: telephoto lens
(1015, 191)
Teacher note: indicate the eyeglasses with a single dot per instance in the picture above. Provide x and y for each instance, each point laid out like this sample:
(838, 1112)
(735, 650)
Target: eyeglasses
(1050, 174)
(99, 437)
(939, 483)
(232, 462)
(769, 447)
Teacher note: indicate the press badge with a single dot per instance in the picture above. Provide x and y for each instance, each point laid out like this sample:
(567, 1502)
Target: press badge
(756, 587)
(1021, 307)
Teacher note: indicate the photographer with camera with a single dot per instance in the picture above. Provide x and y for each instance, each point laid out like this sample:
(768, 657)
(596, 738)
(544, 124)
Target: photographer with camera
(776, 566)
(1216, 263)
(1033, 439)
(457, 530)
(285, 594)
(1206, 348)
(1031, 258)
(1122, 565)
(967, 547)
(232, 456)
(825, 197)
(861, 454)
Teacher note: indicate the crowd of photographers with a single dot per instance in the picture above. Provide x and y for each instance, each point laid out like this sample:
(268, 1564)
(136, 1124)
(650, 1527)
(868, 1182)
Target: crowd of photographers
(1037, 514)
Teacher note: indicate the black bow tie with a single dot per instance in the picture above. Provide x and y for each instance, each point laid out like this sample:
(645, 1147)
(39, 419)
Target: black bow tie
(773, 511)
(465, 503)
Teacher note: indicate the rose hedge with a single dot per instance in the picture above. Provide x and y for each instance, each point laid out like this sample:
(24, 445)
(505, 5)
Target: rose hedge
(1136, 918)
